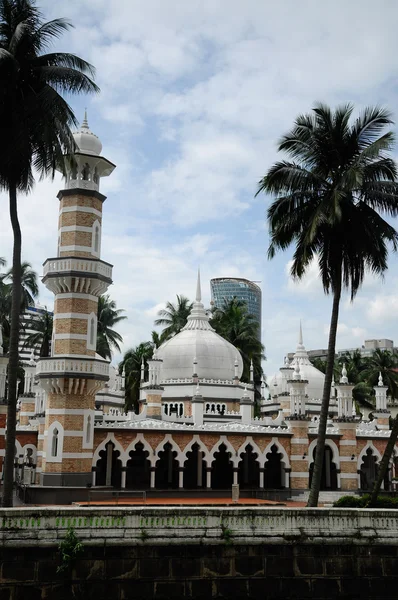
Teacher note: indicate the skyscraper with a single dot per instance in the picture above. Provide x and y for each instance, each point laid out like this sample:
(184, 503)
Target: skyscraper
(226, 288)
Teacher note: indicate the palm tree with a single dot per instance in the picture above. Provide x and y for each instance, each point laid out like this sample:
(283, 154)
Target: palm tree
(108, 316)
(158, 340)
(43, 331)
(132, 362)
(29, 286)
(328, 199)
(35, 123)
(234, 323)
(384, 362)
(174, 316)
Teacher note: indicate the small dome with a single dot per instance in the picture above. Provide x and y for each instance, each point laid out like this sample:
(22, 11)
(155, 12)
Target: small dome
(215, 356)
(314, 388)
(86, 140)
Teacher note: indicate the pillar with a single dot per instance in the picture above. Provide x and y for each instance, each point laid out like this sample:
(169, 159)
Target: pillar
(261, 482)
(348, 475)
(197, 407)
(123, 482)
(300, 461)
(180, 478)
(199, 482)
(152, 483)
(235, 473)
(77, 276)
(208, 478)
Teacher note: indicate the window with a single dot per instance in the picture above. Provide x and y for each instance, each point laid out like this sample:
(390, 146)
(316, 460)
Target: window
(96, 239)
(88, 429)
(92, 331)
(54, 444)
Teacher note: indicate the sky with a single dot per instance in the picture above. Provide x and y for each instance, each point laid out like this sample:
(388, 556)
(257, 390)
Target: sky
(194, 97)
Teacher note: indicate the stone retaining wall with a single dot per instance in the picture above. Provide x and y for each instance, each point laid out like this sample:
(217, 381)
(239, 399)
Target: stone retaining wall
(201, 553)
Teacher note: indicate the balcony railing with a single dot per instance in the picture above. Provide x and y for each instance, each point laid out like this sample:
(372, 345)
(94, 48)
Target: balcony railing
(79, 265)
(72, 366)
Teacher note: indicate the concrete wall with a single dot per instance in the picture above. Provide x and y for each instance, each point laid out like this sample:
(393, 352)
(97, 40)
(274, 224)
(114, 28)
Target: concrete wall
(201, 553)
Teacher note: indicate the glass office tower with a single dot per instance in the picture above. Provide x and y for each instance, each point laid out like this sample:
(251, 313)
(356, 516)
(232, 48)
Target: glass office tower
(226, 288)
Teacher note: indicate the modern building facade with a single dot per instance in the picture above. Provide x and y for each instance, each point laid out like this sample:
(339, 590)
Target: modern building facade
(226, 288)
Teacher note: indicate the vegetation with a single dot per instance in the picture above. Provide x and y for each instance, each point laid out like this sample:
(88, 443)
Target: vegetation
(70, 550)
(131, 363)
(329, 197)
(42, 328)
(233, 322)
(108, 316)
(35, 123)
(364, 501)
(174, 316)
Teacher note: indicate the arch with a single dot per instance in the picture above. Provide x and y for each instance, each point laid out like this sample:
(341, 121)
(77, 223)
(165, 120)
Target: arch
(55, 442)
(85, 172)
(224, 440)
(249, 467)
(31, 447)
(285, 457)
(222, 468)
(96, 238)
(250, 442)
(18, 448)
(102, 446)
(138, 467)
(375, 451)
(180, 454)
(196, 440)
(332, 445)
(141, 439)
(92, 331)
(108, 468)
(167, 467)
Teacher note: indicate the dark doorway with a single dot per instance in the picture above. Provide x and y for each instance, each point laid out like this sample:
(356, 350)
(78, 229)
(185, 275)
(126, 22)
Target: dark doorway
(273, 470)
(166, 475)
(195, 469)
(109, 467)
(138, 475)
(249, 469)
(329, 470)
(222, 469)
(369, 469)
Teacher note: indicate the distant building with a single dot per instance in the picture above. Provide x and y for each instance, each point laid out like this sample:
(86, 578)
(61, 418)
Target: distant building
(226, 288)
(32, 313)
(367, 349)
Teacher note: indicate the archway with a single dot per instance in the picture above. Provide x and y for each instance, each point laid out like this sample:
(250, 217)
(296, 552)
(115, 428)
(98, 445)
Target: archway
(195, 469)
(166, 475)
(222, 469)
(368, 470)
(329, 470)
(109, 467)
(273, 466)
(138, 474)
(249, 469)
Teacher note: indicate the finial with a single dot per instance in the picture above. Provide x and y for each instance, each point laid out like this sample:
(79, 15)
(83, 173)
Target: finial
(301, 335)
(197, 391)
(236, 364)
(262, 387)
(245, 393)
(380, 382)
(85, 122)
(198, 289)
(195, 361)
(296, 372)
(286, 361)
(343, 378)
(32, 361)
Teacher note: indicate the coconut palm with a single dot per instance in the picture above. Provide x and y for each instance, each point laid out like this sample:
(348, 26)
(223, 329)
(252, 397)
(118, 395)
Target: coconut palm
(385, 363)
(158, 339)
(329, 197)
(42, 331)
(131, 363)
(35, 125)
(108, 316)
(234, 323)
(174, 316)
(29, 285)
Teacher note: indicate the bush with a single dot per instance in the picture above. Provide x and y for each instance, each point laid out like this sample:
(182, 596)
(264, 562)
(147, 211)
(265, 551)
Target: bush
(361, 502)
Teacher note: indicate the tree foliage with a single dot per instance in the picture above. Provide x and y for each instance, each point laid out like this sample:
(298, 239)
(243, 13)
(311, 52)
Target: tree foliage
(108, 316)
(174, 317)
(330, 199)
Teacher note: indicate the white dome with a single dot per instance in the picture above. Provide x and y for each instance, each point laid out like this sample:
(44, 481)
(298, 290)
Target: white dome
(214, 355)
(86, 140)
(316, 379)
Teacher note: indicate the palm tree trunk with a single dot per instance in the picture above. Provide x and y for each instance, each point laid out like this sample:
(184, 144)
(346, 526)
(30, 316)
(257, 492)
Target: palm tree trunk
(384, 463)
(13, 353)
(320, 444)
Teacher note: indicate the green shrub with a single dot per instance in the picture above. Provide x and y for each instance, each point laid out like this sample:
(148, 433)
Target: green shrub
(362, 502)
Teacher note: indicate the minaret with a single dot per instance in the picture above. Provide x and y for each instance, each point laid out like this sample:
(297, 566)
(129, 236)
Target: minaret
(77, 277)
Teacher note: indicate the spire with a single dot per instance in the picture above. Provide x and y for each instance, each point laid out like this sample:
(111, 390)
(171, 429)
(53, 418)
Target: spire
(301, 335)
(296, 372)
(85, 122)
(380, 382)
(198, 289)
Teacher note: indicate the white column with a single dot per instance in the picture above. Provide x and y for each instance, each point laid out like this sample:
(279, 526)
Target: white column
(180, 479)
(123, 484)
(261, 478)
(287, 479)
(235, 477)
(94, 478)
(109, 464)
(199, 478)
(152, 479)
(208, 479)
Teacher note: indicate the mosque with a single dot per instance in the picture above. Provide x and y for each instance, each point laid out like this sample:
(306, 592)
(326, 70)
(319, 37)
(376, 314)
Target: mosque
(195, 429)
